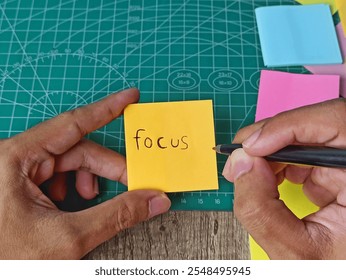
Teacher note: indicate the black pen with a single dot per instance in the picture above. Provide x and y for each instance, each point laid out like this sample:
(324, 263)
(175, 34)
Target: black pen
(295, 154)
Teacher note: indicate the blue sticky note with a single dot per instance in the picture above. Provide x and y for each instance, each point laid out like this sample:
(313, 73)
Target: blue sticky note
(297, 35)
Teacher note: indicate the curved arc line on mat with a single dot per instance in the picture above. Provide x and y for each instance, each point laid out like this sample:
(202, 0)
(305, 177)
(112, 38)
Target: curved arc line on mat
(52, 113)
(151, 34)
(101, 62)
(24, 52)
(185, 58)
(60, 23)
(179, 38)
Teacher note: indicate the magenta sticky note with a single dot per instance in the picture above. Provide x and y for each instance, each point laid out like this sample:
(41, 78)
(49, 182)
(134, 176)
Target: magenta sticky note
(280, 91)
(336, 69)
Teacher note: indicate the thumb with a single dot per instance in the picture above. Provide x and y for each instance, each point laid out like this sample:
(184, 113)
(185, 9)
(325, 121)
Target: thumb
(259, 209)
(100, 223)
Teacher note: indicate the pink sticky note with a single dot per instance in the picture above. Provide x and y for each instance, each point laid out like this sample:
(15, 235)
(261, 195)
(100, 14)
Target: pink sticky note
(336, 69)
(280, 91)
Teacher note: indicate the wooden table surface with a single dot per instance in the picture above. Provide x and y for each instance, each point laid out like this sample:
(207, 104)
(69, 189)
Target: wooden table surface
(179, 235)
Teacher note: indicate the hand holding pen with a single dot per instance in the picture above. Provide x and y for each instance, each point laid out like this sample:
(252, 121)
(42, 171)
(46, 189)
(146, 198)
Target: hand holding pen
(298, 155)
(257, 205)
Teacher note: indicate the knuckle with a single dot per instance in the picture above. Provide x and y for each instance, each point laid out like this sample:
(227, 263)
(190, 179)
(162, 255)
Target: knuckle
(85, 160)
(73, 122)
(252, 214)
(243, 209)
(110, 112)
(125, 216)
(123, 175)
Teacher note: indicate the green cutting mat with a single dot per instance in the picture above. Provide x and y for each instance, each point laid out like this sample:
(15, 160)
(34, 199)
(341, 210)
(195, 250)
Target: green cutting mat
(58, 55)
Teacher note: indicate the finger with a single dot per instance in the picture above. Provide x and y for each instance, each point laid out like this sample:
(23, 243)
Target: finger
(57, 188)
(96, 159)
(329, 182)
(321, 124)
(245, 132)
(43, 171)
(277, 169)
(59, 134)
(297, 174)
(87, 184)
(280, 177)
(317, 194)
(98, 224)
(259, 209)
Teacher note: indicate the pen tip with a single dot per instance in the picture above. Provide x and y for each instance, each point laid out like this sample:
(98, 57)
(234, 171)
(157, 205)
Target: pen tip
(214, 148)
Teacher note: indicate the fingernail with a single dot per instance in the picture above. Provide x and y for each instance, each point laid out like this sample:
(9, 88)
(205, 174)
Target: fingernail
(96, 185)
(227, 168)
(252, 138)
(241, 163)
(158, 205)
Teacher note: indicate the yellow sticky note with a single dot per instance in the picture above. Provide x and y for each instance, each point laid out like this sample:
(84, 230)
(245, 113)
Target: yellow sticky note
(297, 202)
(341, 5)
(330, 2)
(169, 146)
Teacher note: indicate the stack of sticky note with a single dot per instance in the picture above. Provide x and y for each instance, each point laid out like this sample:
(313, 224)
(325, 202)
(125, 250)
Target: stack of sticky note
(297, 35)
(280, 91)
(334, 69)
(341, 6)
(331, 3)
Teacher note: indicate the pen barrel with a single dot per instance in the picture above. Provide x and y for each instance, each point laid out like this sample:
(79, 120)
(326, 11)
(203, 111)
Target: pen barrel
(311, 155)
(228, 149)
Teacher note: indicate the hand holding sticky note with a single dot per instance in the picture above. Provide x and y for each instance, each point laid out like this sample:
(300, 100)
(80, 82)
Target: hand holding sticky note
(169, 146)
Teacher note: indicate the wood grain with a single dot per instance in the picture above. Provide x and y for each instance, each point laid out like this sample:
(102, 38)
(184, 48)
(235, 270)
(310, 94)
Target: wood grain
(179, 235)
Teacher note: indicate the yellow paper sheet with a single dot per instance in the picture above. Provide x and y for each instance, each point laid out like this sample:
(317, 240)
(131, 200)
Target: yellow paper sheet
(341, 5)
(330, 2)
(300, 205)
(169, 146)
